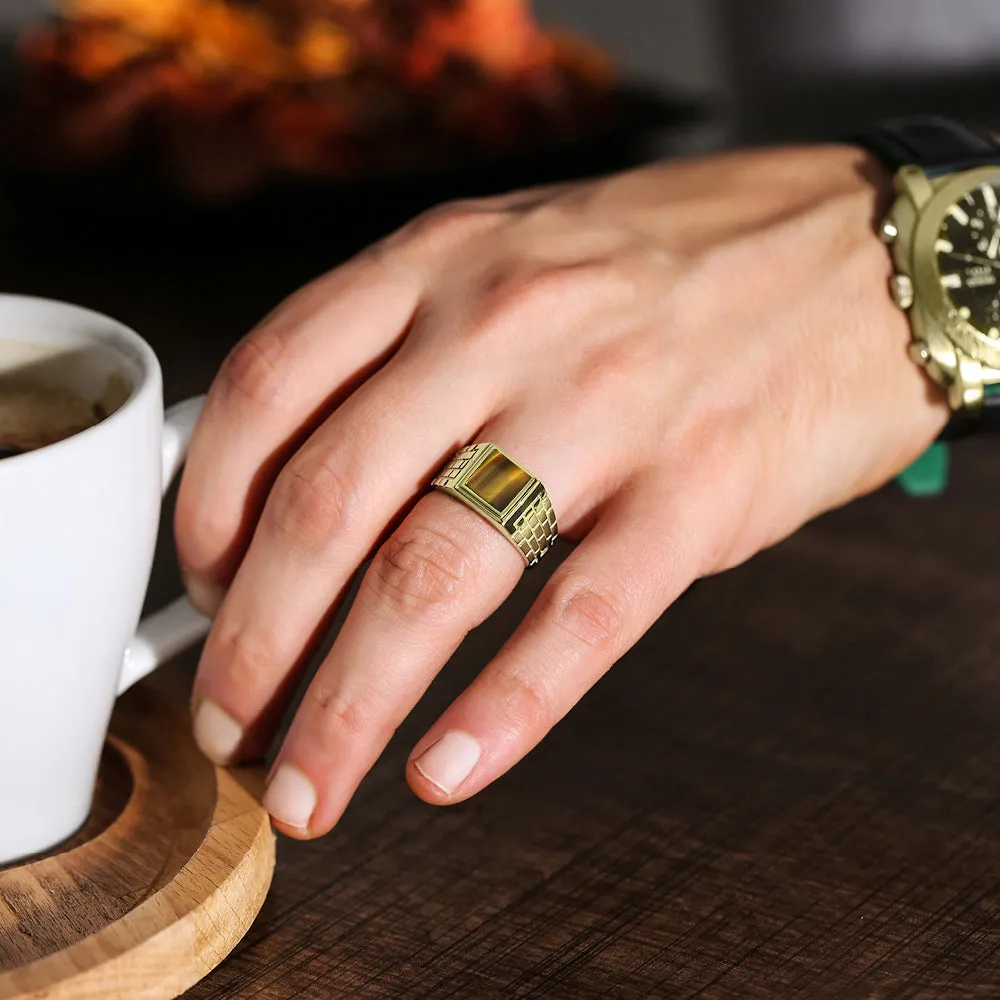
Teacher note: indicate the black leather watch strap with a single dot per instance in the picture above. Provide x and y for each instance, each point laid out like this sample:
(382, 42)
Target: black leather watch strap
(990, 417)
(940, 145)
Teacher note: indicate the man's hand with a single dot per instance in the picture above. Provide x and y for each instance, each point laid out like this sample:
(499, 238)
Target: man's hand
(695, 358)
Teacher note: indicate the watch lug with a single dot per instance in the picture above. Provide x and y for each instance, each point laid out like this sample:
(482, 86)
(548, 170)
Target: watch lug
(966, 390)
(913, 182)
(938, 356)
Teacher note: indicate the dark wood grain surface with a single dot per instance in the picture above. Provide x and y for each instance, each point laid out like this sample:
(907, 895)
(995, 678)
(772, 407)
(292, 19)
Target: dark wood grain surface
(790, 788)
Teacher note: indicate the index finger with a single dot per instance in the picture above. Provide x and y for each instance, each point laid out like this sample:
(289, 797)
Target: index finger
(284, 378)
(274, 387)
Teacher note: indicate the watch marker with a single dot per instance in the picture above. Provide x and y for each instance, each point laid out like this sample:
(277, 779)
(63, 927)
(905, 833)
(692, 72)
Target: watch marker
(944, 246)
(960, 216)
(990, 197)
(951, 280)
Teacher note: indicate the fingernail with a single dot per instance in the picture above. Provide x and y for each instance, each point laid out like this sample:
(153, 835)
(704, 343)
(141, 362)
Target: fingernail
(290, 797)
(206, 597)
(449, 761)
(217, 733)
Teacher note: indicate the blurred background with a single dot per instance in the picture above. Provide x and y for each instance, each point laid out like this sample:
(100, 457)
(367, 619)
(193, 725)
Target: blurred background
(185, 164)
(244, 118)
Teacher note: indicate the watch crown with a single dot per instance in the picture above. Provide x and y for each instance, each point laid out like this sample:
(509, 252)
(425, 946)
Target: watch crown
(888, 231)
(920, 352)
(901, 288)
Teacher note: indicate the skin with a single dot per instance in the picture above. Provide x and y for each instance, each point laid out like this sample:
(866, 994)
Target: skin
(695, 358)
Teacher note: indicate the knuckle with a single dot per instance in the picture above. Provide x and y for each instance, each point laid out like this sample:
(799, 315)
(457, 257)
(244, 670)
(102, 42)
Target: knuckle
(420, 569)
(524, 703)
(616, 370)
(252, 371)
(310, 505)
(249, 662)
(339, 716)
(590, 617)
(510, 295)
(445, 225)
(712, 452)
(204, 534)
(515, 294)
(725, 464)
(514, 287)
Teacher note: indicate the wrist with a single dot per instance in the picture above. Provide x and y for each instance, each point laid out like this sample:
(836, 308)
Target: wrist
(697, 201)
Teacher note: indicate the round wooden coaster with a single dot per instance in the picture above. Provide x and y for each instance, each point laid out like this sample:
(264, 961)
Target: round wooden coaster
(159, 886)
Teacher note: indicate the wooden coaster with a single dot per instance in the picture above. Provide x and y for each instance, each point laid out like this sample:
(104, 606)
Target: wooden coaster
(158, 887)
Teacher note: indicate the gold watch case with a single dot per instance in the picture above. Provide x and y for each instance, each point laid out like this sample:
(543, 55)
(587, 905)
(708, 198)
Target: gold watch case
(956, 355)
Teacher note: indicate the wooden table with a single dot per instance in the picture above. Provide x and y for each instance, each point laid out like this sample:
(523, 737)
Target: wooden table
(790, 788)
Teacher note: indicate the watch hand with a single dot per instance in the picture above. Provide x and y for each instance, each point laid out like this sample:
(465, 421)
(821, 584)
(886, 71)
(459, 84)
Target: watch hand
(972, 258)
(994, 244)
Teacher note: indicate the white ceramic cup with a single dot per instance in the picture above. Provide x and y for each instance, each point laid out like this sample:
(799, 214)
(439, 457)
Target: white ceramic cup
(78, 526)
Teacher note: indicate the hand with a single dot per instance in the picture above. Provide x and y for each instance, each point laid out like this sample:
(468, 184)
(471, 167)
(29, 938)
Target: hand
(695, 358)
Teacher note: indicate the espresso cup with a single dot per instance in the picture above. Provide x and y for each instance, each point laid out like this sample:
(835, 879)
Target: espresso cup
(78, 526)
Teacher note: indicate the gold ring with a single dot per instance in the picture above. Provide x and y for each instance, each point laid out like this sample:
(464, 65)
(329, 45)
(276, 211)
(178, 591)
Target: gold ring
(504, 493)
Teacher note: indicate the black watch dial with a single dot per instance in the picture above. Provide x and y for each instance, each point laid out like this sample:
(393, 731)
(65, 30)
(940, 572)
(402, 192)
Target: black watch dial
(968, 257)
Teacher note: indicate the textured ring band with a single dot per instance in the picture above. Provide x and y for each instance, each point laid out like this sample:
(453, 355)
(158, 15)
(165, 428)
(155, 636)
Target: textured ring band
(508, 496)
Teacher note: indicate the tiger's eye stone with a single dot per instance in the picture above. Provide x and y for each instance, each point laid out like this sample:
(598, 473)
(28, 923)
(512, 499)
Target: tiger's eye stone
(497, 481)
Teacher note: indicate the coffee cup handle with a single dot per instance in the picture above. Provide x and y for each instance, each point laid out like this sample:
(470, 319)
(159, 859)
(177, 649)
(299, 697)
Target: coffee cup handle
(173, 629)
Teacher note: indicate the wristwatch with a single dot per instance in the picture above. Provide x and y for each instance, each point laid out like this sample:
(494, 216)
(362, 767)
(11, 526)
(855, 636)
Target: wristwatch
(944, 233)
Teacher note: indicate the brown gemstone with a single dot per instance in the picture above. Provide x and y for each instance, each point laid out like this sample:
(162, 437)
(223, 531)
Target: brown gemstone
(497, 481)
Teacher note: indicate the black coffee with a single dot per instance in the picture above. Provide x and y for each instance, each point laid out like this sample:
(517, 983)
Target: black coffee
(35, 416)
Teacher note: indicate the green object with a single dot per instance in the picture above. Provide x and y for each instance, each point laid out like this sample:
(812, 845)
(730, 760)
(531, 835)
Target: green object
(928, 475)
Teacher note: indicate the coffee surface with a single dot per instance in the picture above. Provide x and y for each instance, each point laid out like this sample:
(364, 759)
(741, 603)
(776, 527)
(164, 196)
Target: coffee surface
(33, 416)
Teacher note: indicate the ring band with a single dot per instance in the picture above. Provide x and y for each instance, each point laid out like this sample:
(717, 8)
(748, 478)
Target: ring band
(507, 495)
